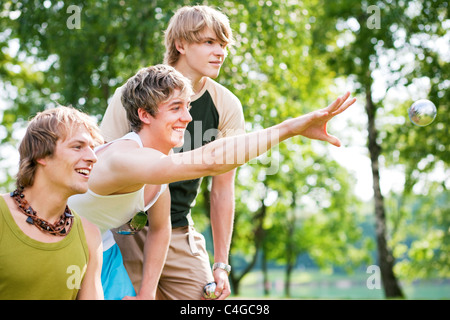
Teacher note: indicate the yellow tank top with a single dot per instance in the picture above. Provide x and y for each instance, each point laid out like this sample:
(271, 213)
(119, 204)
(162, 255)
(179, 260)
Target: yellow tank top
(34, 270)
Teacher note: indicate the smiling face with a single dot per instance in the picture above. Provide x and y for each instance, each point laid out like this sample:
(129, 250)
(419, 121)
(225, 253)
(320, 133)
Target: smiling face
(151, 88)
(47, 129)
(71, 163)
(170, 123)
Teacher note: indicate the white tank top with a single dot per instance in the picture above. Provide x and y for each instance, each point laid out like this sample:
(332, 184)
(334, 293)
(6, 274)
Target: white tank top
(111, 211)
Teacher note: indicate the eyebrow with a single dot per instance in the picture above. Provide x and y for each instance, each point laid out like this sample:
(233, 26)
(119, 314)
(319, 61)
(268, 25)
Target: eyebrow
(176, 101)
(79, 141)
(209, 38)
(216, 39)
(87, 142)
(179, 101)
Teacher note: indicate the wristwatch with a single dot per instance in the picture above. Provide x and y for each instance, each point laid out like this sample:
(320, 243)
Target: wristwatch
(223, 266)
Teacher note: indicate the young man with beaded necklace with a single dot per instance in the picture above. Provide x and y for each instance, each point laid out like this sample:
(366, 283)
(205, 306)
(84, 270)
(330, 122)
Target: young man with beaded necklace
(47, 252)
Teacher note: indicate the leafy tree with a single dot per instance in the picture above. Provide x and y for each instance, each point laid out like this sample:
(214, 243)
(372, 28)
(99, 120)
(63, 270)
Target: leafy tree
(276, 74)
(397, 45)
(316, 213)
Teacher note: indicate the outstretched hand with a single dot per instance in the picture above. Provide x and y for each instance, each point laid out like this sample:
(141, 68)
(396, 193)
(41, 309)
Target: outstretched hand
(313, 125)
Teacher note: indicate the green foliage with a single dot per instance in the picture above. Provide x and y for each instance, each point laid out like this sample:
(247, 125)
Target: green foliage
(396, 64)
(286, 59)
(422, 240)
(83, 66)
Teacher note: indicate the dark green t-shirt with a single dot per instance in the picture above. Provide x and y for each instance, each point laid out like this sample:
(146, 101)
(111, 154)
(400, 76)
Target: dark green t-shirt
(216, 113)
(204, 119)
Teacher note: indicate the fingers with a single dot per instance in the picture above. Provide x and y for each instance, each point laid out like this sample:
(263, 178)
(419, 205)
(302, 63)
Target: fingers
(219, 289)
(337, 103)
(340, 104)
(344, 106)
(222, 293)
(222, 289)
(314, 124)
(333, 140)
(345, 96)
(337, 109)
(332, 107)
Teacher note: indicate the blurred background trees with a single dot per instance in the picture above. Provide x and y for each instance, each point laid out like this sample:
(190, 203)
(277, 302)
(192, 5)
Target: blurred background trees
(290, 57)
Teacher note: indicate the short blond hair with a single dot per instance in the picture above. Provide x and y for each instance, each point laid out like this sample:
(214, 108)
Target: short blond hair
(42, 134)
(150, 87)
(189, 23)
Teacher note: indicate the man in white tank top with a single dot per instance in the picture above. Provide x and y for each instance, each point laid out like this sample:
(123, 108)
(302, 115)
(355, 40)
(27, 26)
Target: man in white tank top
(198, 54)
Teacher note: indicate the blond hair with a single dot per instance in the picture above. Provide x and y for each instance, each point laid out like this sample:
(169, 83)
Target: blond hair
(189, 23)
(42, 134)
(150, 87)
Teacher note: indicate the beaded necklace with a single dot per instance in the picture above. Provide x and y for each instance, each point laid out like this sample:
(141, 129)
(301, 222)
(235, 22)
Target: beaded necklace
(56, 229)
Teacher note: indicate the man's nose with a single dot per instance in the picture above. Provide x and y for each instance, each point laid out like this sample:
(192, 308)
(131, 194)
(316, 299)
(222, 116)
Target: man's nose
(186, 115)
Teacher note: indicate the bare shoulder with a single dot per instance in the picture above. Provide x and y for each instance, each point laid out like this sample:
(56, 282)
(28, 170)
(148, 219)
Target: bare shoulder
(92, 232)
(7, 198)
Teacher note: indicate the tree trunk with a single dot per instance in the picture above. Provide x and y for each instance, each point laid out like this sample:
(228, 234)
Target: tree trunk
(287, 279)
(258, 241)
(291, 253)
(385, 257)
(266, 282)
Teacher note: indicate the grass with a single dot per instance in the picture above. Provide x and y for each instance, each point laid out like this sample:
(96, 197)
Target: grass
(318, 285)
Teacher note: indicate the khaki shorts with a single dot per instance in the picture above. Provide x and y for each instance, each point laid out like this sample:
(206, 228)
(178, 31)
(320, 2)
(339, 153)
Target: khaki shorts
(186, 271)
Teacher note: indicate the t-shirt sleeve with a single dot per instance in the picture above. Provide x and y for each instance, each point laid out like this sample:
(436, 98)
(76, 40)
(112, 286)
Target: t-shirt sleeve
(231, 115)
(115, 123)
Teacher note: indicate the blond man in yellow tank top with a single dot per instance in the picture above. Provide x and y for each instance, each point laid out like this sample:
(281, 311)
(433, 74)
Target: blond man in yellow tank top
(47, 252)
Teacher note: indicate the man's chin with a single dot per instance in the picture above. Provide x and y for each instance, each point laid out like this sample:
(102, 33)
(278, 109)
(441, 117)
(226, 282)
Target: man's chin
(179, 144)
(214, 75)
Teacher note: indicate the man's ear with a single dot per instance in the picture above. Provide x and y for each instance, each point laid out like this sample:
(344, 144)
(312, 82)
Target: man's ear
(144, 116)
(42, 161)
(179, 44)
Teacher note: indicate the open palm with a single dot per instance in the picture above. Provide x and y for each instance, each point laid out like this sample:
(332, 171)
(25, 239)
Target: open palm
(314, 124)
